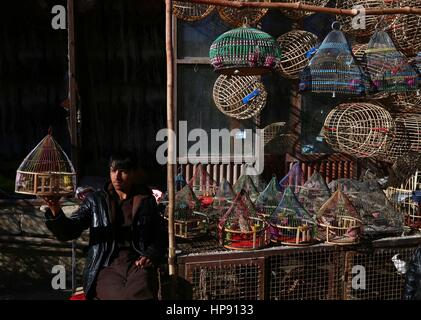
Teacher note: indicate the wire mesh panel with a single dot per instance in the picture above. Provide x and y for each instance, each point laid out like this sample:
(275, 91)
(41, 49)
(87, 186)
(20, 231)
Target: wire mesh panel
(383, 281)
(309, 274)
(240, 16)
(240, 279)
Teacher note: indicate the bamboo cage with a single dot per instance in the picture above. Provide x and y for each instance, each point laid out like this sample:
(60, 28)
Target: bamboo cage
(388, 68)
(268, 199)
(244, 51)
(359, 129)
(401, 198)
(338, 221)
(46, 171)
(272, 131)
(313, 193)
(238, 17)
(295, 46)
(189, 221)
(191, 12)
(258, 181)
(245, 182)
(333, 69)
(290, 223)
(202, 184)
(364, 27)
(404, 102)
(239, 97)
(406, 30)
(293, 179)
(294, 14)
(240, 228)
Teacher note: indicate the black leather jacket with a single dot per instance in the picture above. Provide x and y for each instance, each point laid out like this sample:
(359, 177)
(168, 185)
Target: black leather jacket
(148, 231)
(413, 277)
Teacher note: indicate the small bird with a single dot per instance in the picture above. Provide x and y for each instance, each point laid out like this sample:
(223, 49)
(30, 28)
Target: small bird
(400, 265)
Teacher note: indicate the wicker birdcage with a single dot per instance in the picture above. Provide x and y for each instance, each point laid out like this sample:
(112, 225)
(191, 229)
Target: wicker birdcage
(46, 171)
(363, 27)
(244, 51)
(245, 182)
(295, 46)
(404, 102)
(296, 14)
(293, 179)
(268, 199)
(359, 129)
(405, 30)
(290, 223)
(378, 215)
(388, 68)
(359, 49)
(239, 16)
(401, 198)
(240, 228)
(333, 68)
(313, 193)
(338, 221)
(189, 221)
(239, 97)
(191, 11)
(272, 131)
(202, 183)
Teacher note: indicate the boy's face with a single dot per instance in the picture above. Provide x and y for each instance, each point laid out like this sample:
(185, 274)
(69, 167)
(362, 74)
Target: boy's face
(121, 179)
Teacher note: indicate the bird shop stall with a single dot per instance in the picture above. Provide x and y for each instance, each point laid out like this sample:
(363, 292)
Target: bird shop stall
(339, 107)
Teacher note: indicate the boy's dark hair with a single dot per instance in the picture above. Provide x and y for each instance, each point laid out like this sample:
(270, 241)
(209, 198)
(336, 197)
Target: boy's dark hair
(123, 160)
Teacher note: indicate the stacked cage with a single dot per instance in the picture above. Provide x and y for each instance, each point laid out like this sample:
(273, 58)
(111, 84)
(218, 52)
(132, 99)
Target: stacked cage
(290, 223)
(46, 171)
(240, 228)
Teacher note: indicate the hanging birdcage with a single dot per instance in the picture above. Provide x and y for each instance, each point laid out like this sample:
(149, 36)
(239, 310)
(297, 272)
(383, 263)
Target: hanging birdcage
(244, 51)
(290, 223)
(313, 193)
(239, 16)
(333, 68)
(191, 12)
(46, 171)
(293, 179)
(246, 183)
(338, 221)
(240, 228)
(359, 27)
(203, 185)
(239, 97)
(298, 14)
(388, 68)
(189, 221)
(405, 30)
(295, 47)
(272, 131)
(268, 199)
(359, 129)
(377, 214)
(408, 102)
(402, 199)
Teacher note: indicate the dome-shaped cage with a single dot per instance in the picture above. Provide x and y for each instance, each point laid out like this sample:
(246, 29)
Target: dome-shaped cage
(191, 11)
(365, 26)
(359, 129)
(290, 223)
(333, 69)
(298, 14)
(313, 193)
(239, 97)
(244, 51)
(273, 131)
(46, 171)
(268, 199)
(338, 221)
(189, 221)
(240, 228)
(245, 182)
(406, 31)
(388, 68)
(240, 16)
(295, 47)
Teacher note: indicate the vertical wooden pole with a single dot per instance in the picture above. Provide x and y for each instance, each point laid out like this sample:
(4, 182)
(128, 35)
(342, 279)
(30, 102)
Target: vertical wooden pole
(170, 126)
(72, 84)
